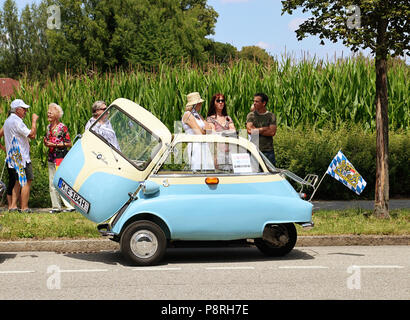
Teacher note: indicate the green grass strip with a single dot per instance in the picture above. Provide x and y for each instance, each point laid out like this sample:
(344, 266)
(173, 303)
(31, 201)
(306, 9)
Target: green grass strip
(41, 226)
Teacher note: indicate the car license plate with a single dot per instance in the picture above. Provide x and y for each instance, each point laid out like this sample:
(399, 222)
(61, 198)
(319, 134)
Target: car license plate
(78, 200)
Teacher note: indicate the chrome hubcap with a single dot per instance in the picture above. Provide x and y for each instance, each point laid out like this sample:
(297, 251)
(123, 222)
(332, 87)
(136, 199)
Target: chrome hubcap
(144, 244)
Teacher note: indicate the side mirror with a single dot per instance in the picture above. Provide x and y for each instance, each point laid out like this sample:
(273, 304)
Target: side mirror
(150, 187)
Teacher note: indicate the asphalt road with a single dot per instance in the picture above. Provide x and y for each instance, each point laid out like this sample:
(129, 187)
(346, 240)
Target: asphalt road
(342, 272)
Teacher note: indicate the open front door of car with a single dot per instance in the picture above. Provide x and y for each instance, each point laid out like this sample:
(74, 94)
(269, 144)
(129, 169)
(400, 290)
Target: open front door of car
(111, 159)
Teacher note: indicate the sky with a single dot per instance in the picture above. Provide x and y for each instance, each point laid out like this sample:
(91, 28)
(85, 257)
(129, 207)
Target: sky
(260, 23)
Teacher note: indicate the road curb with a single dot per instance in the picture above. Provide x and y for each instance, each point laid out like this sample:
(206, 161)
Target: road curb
(87, 245)
(97, 245)
(352, 240)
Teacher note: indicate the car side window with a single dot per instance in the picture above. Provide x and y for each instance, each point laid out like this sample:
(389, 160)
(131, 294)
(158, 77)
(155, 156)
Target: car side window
(209, 158)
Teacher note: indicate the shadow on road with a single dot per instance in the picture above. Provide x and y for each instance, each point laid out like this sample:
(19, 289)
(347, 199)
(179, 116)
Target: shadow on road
(196, 255)
(108, 257)
(5, 256)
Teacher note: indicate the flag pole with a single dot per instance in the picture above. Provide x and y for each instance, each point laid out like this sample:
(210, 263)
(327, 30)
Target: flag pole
(317, 186)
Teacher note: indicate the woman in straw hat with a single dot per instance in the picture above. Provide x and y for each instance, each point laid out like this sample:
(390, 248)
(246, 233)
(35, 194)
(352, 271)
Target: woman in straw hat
(192, 122)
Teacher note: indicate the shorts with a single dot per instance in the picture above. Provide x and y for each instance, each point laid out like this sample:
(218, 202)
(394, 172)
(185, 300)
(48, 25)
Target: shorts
(28, 170)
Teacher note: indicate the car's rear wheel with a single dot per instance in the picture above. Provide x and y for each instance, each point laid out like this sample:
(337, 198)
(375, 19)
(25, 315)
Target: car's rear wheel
(278, 240)
(143, 243)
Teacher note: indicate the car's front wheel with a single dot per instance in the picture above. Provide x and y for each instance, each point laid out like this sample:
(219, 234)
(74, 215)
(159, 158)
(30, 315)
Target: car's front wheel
(278, 239)
(143, 243)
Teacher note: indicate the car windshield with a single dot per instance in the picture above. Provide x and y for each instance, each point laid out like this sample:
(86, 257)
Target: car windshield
(127, 136)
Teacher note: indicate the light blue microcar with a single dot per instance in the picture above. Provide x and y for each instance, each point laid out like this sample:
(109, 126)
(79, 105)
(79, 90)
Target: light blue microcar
(148, 188)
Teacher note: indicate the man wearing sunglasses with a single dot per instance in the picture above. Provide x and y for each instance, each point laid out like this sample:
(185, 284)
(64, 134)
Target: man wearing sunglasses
(261, 123)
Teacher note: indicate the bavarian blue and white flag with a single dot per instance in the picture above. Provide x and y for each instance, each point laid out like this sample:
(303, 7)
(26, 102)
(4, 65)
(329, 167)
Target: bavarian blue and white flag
(15, 159)
(342, 170)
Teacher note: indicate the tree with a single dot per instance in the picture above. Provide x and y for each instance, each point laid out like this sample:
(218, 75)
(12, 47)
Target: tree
(35, 53)
(23, 43)
(382, 26)
(10, 40)
(107, 34)
(221, 52)
(68, 44)
(102, 34)
(255, 53)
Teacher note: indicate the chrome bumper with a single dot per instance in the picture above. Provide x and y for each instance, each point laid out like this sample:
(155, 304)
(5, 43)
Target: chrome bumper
(307, 225)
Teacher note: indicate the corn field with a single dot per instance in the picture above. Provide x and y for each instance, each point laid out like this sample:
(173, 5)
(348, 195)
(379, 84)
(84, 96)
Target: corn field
(306, 93)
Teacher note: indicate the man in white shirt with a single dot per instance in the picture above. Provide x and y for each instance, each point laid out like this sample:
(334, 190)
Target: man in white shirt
(15, 127)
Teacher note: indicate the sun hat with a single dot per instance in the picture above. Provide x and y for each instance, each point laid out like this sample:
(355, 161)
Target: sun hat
(17, 104)
(193, 98)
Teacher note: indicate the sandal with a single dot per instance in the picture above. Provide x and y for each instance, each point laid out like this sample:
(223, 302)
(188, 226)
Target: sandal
(28, 210)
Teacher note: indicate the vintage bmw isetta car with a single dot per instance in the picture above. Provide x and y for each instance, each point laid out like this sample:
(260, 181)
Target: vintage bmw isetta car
(150, 188)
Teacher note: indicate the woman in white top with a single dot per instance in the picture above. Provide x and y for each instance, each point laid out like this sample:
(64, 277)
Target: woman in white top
(199, 154)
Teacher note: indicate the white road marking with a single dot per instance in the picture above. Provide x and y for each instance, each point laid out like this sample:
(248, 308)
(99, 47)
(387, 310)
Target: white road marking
(230, 268)
(206, 268)
(379, 267)
(303, 267)
(83, 270)
(154, 269)
(16, 272)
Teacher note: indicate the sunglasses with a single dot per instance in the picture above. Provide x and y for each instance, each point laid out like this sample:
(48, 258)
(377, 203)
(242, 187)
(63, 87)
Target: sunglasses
(220, 101)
